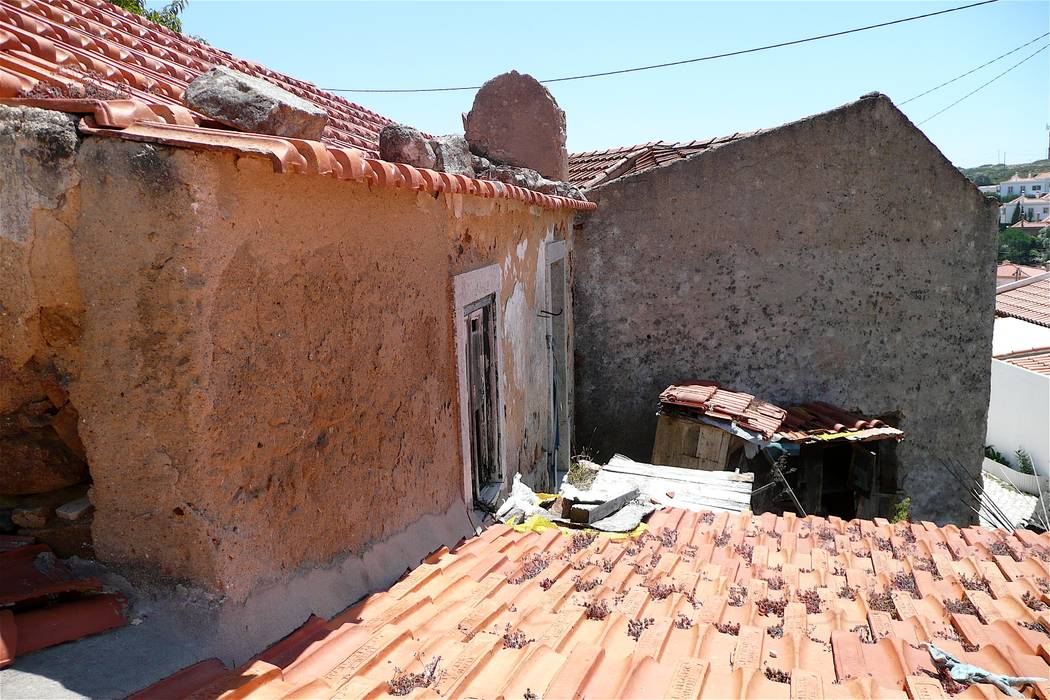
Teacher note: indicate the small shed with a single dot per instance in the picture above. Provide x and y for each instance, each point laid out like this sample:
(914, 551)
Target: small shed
(814, 457)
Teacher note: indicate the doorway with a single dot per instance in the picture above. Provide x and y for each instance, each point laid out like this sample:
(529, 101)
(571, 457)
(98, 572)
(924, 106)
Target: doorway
(483, 399)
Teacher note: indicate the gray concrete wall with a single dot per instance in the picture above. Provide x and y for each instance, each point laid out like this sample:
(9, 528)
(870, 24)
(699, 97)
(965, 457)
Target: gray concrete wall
(839, 258)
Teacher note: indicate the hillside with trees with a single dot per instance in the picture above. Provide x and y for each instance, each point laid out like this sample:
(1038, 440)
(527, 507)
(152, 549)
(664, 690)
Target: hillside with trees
(994, 174)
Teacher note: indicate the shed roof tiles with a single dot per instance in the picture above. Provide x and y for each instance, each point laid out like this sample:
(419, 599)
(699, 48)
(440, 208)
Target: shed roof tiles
(593, 168)
(45, 47)
(700, 606)
(1028, 302)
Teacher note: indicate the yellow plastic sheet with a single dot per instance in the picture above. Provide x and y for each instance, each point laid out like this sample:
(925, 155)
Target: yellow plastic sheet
(537, 523)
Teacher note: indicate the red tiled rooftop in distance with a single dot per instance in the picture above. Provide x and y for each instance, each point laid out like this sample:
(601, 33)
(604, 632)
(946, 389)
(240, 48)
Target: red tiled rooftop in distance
(69, 41)
(1034, 360)
(1029, 302)
(703, 605)
(593, 168)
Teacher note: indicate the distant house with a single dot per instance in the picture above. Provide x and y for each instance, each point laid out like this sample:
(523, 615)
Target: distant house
(1007, 272)
(1019, 405)
(1037, 185)
(1032, 225)
(1033, 208)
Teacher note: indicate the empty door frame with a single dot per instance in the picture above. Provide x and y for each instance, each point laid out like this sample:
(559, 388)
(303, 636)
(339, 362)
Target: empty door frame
(469, 288)
(559, 307)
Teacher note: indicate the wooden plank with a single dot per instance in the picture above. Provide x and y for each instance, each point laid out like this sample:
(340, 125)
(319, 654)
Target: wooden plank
(587, 513)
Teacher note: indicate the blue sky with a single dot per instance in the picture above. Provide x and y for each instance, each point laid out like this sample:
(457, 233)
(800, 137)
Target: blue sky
(437, 44)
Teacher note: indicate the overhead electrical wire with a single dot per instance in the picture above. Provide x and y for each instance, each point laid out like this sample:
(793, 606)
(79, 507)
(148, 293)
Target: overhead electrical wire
(984, 85)
(973, 70)
(689, 60)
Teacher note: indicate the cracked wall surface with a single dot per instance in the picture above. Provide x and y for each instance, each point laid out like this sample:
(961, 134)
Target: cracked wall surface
(264, 365)
(840, 258)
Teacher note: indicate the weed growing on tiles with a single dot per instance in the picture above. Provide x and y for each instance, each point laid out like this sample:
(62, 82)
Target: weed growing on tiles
(597, 610)
(683, 622)
(745, 551)
(531, 566)
(1032, 602)
(962, 606)
(777, 676)
(847, 592)
(579, 542)
(775, 583)
(636, 627)
(901, 581)
(883, 543)
(1039, 552)
(546, 583)
(1000, 548)
(926, 564)
(975, 583)
(514, 639)
(689, 552)
(882, 602)
(668, 537)
(722, 540)
(404, 683)
(1043, 584)
(529, 695)
(737, 596)
(771, 606)
(583, 585)
(707, 517)
(775, 631)
(607, 564)
(659, 591)
(812, 600)
(1034, 626)
(732, 628)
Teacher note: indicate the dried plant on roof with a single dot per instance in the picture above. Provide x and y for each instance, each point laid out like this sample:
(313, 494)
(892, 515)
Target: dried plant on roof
(999, 547)
(902, 581)
(975, 583)
(775, 631)
(404, 683)
(636, 627)
(1034, 626)
(89, 85)
(883, 543)
(732, 628)
(546, 583)
(775, 583)
(1039, 552)
(777, 676)
(659, 590)
(532, 565)
(847, 592)
(1032, 602)
(579, 542)
(722, 540)
(514, 638)
(683, 621)
(737, 596)
(1043, 584)
(960, 606)
(905, 533)
(596, 609)
(928, 565)
(771, 606)
(529, 695)
(607, 564)
(668, 537)
(586, 584)
(811, 598)
(883, 602)
(707, 517)
(689, 551)
(745, 551)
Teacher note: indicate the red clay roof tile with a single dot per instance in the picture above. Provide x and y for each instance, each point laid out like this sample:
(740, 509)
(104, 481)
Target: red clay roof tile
(1037, 360)
(1028, 302)
(788, 607)
(102, 48)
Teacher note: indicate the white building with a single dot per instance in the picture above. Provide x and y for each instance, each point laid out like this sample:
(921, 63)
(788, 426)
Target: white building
(1032, 208)
(1019, 406)
(1035, 186)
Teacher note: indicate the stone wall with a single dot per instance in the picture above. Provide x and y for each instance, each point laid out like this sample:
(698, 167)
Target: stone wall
(264, 364)
(839, 258)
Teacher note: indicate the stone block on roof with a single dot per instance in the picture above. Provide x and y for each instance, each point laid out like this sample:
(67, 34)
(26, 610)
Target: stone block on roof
(252, 104)
(515, 120)
(403, 144)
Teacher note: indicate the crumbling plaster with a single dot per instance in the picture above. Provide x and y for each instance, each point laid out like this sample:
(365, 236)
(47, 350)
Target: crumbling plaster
(265, 368)
(839, 258)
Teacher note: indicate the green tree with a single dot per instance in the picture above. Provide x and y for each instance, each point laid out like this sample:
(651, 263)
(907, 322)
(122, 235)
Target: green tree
(1016, 245)
(167, 16)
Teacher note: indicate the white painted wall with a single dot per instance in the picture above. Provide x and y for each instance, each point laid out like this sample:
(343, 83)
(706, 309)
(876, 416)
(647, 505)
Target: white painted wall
(1019, 413)
(1015, 335)
(1033, 187)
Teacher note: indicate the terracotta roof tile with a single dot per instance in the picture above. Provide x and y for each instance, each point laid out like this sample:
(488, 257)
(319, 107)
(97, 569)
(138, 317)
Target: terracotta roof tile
(42, 603)
(593, 168)
(1015, 271)
(1029, 302)
(1037, 360)
(787, 607)
(795, 423)
(98, 46)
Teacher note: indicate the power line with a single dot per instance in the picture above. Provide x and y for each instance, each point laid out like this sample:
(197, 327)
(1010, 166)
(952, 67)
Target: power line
(1030, 56)
(974, 70)
(691, 60)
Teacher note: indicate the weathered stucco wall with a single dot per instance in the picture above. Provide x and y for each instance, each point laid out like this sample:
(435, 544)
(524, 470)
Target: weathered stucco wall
(839, 258)
(264, 364)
